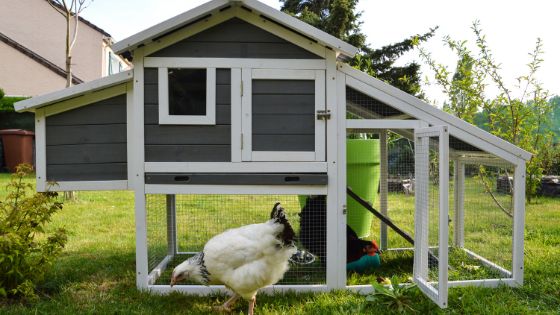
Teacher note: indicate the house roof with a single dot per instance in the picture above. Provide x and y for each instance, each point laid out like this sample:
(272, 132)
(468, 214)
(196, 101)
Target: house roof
(73, 91)
(157, 31)
(38, 58)
(86, 22)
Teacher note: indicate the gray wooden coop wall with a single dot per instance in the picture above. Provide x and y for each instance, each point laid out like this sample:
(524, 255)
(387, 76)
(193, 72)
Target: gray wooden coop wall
(88, 143)
(187, 143)
(235, 38)
(283, 115)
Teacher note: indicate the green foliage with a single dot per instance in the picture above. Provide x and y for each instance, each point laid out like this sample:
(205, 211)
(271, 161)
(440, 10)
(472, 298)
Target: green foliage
(7, 102)
(27, 249)
(340, 19)
(516, 114)
(555, 117)
(396, 297)
(1, 93)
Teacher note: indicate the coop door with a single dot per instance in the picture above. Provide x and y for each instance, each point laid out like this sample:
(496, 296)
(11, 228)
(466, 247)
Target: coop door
(431, 219)
(279, 115)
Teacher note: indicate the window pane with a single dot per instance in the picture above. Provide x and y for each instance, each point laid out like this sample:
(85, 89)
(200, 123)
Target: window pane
(187, 92)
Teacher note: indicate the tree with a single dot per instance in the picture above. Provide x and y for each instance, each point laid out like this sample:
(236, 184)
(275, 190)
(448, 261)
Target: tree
(340, 19)
(555, 117)
(70, 10)
(517, 114)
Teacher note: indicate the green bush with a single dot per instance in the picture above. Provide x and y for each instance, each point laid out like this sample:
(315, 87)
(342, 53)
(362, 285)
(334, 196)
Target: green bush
(7, 102)
(27, 249)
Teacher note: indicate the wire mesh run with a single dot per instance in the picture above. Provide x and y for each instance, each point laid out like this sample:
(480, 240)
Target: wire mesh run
(480, 210)
(365, 163)
(361, 106)
(434, 188)
(179, 227)
(483, 220)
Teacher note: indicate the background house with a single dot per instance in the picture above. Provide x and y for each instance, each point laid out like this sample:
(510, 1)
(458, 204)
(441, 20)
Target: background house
(32, 46)
(32, 57)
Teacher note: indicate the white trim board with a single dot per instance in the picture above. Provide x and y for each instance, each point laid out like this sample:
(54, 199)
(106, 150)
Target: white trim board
(87, 185)
(214, 289)
(383, 124)
(147, 36)
(41, 150)
(165, 118)
(421, 110)
(237, 189)
(253, 63)
(244, 167)
(74, 91)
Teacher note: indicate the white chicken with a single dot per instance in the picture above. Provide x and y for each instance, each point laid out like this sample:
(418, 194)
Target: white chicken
(244, 259)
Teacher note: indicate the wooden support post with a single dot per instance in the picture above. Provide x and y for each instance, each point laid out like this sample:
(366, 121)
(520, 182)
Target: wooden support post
(171, 225)
(459, 202)
(383, 188)
(518, 221)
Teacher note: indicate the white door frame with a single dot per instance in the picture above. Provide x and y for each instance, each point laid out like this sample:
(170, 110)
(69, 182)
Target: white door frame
(421, 222)
(248, 74)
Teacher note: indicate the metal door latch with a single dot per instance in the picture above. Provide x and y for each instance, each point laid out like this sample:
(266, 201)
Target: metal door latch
(323, 114)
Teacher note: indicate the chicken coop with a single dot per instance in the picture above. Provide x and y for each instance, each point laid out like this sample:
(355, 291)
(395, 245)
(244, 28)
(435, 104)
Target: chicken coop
(233, 106)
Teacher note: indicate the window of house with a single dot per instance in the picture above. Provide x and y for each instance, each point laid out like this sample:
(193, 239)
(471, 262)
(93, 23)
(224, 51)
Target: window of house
(187, 96)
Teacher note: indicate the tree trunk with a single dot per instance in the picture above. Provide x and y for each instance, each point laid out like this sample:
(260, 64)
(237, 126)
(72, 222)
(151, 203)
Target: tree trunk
(68, 52)
(68, 195)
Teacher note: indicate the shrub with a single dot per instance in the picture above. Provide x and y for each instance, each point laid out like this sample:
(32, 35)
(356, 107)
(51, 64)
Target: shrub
(27, 249)
(7, 102)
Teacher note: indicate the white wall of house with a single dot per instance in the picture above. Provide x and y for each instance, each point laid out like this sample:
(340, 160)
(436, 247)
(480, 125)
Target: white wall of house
(38, 27)
(22, 76)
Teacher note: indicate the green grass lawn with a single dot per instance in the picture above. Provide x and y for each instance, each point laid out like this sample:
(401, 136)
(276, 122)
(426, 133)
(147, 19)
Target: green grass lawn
(96, 272)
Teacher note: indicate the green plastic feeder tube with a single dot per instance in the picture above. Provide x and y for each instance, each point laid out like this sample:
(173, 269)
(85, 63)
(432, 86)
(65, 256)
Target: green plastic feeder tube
(363, 159)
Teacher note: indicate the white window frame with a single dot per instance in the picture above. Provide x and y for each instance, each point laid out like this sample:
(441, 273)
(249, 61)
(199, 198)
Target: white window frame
(248, 75)
(163, 95)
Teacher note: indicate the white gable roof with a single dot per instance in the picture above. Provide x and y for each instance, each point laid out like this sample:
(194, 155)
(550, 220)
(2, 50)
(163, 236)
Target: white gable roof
(73, 91)
(147, 36)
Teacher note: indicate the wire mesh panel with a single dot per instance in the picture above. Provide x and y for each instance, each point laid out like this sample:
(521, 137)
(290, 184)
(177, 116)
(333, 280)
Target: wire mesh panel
(432, 204)
(362, 106)
(384, 178)
(156, 225)
(179, 230)
(483, 219)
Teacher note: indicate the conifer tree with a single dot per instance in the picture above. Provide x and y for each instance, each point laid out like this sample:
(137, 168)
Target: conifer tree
(340, 19)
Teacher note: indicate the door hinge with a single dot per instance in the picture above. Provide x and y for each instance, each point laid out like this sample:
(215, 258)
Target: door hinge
(323, 114)
(344, 209)
(241, 141)
(241, 88)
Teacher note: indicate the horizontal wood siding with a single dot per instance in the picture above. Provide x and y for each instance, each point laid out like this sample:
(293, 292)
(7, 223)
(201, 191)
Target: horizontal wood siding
(88, 143)
(187, 143)
(283, 115)
(235, 38)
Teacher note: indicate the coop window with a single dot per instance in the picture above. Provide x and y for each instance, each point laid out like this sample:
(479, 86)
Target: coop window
(187, 96)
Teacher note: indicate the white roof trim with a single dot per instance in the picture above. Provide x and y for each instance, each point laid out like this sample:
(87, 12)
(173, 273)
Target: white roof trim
(146, 36)
(431, 111)
(73, 91)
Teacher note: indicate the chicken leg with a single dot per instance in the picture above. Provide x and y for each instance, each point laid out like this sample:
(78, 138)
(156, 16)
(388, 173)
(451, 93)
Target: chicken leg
(252, 303)
(228, 304)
